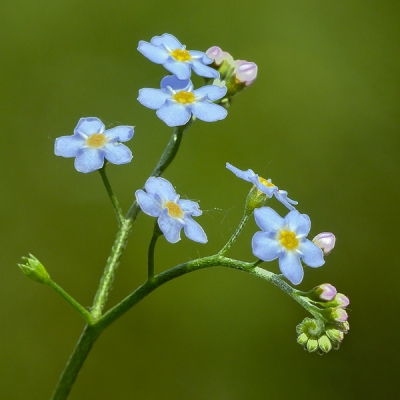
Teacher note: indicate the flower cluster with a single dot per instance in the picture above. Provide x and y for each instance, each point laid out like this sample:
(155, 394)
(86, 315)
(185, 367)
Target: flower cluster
(177, 100)
(327, 331)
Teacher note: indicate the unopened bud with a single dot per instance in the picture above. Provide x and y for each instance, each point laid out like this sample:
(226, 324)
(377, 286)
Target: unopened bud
(325, 292)
(34, 269)
(324, 344)
(325, 241)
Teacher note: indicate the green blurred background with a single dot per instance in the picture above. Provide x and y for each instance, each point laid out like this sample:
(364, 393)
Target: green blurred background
(322, 120)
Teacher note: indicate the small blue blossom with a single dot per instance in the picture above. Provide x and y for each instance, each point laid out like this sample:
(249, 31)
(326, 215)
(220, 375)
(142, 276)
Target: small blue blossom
(176, 101)
(285, 238)
(160, 200)
(168, 51)
(91, 143)
(264, 185)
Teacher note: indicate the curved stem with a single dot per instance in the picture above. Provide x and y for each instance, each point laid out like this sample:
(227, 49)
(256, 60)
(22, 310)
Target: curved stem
(92, 331)
(237, 232)
(113, 198)
(150, 262)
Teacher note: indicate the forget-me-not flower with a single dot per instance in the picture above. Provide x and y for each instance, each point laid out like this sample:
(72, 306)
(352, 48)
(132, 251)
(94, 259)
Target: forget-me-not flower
(168, 51)
(160, 200)
(285, 238)
(263, 185)
(176, 101)
(91, 143)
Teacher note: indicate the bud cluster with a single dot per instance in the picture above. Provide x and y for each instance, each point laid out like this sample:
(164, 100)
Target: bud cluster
(326, 332)
(237, 74)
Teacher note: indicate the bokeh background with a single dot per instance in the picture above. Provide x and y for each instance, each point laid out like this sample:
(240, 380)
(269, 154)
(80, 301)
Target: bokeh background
(322, 120)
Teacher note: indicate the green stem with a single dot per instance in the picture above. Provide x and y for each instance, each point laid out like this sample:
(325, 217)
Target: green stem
(85, 314)
(237, 232)
(150, 262)
(113, 198)
(126, 224)
(74, 365)
(92, 331)
(111, 266)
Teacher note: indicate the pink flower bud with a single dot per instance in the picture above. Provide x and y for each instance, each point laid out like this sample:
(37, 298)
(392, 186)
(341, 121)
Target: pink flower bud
(325, 241)
(218, 55)
(341, 300)
(339, 315)
(328, 292)
(245, 71)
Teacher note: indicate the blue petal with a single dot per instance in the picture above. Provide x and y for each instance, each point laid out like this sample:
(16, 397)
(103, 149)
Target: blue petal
(162, 188)
(213, 92)
(89, 160)
(117, 153)
(190, 207)
(203, 70)
(88, 126)
(239, 173)
(167, 40)
(155, 54)
(170, 227)
(290, 266)
(68, 146)
(123, 133)
(148, 204)
(281, 195)
(262, 187)
(174, 114)
(199, 56)
(178, 68)
(299, 223)
(265, 247)
(313, 256)
(153, 98)
(177, 84)
(194, 231)
(268, 219)
(208, 112)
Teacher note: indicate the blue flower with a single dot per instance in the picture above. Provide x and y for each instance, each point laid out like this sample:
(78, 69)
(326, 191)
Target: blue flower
(168, 51)
(176, 101)
(264, 185)
(91, 143)
(160, 200)
(286, 238)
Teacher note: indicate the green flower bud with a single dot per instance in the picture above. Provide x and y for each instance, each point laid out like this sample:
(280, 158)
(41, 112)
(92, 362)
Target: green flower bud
(255, 199)
(302, 339)
(34, 269)
(335, 335)
(312, 345)
(324, 344)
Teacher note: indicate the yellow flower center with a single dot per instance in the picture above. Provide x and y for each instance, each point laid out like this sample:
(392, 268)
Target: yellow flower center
(174, 210)
(96, 140)
(181, 55)
(288, 239)
(265, 182)
(184, 97)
